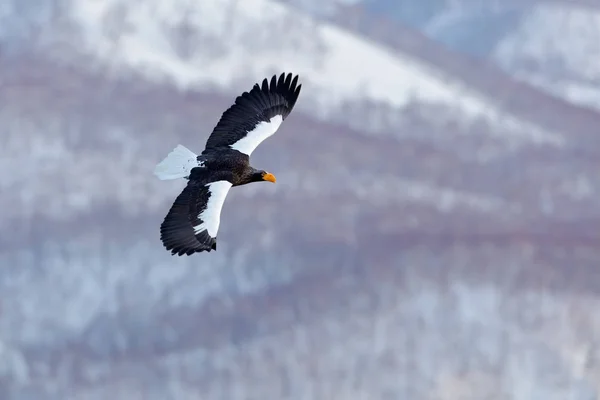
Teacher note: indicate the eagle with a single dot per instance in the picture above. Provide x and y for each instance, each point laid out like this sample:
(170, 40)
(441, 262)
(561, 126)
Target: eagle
(192, 223)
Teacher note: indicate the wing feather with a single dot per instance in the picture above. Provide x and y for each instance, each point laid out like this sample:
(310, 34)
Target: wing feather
(192, 223)
(255, 115)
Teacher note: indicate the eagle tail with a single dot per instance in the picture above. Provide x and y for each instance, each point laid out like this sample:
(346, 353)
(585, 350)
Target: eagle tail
(177, 164)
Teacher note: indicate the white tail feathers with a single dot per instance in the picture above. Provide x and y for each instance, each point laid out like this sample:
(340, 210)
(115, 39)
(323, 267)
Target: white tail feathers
(177, 164)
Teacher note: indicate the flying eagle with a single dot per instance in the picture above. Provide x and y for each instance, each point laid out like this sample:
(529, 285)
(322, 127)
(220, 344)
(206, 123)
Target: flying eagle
(192, 223)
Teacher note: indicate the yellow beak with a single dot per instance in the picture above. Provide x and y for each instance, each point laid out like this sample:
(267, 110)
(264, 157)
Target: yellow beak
(269, 177)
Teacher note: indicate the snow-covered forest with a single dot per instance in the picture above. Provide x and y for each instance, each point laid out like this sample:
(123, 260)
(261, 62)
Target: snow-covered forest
(434, 232)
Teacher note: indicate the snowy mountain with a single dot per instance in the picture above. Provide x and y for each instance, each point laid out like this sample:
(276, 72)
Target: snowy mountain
(161, 41)
(434, 220)
(549, 44)
(556, 48)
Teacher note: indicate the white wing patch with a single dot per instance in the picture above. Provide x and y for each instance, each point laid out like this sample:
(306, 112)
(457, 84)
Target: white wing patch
(211, 215)
(256, 136)
(177, 164)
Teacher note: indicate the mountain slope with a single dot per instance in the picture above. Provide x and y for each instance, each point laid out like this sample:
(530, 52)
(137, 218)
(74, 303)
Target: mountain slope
(549, 44)
(424, 261)
(525, 101)
(555, 47)
(161, 42)
(90, 184)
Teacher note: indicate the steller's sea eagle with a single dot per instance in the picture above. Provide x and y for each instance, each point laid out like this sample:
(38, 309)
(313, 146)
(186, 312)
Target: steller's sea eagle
(192, 223)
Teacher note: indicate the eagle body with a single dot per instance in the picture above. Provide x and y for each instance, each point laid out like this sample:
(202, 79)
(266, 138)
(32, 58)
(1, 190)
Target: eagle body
(227, 163)
(192, 223)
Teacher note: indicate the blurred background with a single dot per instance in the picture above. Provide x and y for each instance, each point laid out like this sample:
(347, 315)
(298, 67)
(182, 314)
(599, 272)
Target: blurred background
(434, 233)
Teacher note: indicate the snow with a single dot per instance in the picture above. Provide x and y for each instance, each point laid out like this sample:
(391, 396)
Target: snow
(580, 93)
(556, 47)
(237, 41)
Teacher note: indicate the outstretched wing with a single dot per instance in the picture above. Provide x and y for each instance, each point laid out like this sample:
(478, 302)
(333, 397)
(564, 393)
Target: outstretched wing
(192, 223)
(256, 115)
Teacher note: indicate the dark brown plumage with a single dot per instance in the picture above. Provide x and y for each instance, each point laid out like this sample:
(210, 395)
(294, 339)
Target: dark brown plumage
(192, 223)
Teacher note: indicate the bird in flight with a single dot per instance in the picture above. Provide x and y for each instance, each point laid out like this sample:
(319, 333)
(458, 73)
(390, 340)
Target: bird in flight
(192, 223)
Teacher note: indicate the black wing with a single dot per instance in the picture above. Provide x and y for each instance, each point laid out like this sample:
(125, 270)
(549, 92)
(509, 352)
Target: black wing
(254, 116)
(192, 223)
